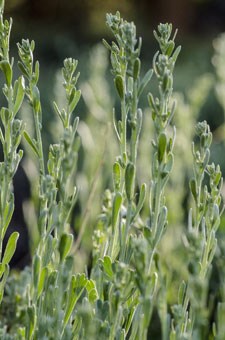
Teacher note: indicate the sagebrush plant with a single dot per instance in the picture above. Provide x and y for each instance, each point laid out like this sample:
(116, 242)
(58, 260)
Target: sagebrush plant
(128, 282)
(10, 134)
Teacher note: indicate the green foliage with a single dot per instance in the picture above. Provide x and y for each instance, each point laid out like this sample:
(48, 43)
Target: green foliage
(133, 277)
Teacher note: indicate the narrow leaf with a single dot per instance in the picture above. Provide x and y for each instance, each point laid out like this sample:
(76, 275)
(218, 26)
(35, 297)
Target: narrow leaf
(58, 112)
(170, 48)
(175, 54)
(145, 82)
(36, 71)
(19, 95)
(75, 124)
(161, 223)
(42, 279)
(74, 100)
(139, 121)
(32, 316)
(193, 188)
(10, 247)
(137, 68)
(119, 86)
(65, 245)
(8, 212)
(181, 293)
(106, 44)
(3, 282)
(141, 200)
(117, 202)
(23, 69)
(31, 143)
(36, 99)
(129, 180)
(116, 176)
(118, 132)
(169, 164)
(36, 270)
(7, 70)
(162, 146)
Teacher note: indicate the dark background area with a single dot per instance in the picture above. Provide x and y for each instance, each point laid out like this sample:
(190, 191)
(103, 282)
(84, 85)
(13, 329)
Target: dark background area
(70, 28)
(85, 18)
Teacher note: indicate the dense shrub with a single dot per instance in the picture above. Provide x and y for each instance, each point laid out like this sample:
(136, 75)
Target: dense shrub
(155, 267)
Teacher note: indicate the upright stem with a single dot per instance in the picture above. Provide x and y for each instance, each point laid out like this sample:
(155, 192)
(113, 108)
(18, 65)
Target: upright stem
(134, 137)
(126, 232)
(40, 145)
(124, 127)
(158, 194)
